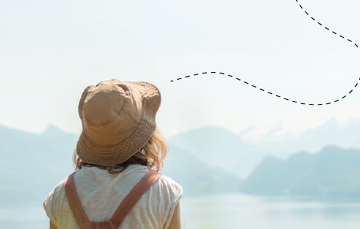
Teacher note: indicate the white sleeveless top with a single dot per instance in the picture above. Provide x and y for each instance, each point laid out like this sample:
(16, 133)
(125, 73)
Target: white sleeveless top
(100, 194)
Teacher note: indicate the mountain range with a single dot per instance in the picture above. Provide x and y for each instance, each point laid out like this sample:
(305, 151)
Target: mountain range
(331, 173)
(32, 164)
(204, 160)
(241, 157)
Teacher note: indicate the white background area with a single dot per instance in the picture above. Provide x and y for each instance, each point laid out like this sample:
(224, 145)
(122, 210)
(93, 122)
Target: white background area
(51, 50)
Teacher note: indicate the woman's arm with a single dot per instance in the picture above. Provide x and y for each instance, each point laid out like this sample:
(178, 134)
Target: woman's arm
(52, 226)
(175, 222)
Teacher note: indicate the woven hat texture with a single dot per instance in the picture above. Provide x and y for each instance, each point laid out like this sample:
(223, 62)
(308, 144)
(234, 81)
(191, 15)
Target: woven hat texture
(118, 119)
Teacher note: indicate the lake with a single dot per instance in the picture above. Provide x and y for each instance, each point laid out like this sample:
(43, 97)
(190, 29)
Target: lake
(230, 211)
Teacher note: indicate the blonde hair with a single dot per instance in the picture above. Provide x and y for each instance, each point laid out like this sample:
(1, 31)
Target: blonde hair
(152, 154)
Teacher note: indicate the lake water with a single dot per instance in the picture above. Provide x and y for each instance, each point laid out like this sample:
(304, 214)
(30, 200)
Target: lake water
(231, 211)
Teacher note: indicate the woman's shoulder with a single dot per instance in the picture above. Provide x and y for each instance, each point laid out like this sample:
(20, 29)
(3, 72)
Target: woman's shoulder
(55, 192)
(54, 199)
(169, 181)
(170, 186)
(164, 180)
(169, 196)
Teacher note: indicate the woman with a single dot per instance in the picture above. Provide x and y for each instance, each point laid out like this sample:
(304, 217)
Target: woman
(114, 184)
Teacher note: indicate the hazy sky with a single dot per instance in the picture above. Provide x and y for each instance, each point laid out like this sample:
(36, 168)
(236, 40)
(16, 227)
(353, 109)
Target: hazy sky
(51, 50)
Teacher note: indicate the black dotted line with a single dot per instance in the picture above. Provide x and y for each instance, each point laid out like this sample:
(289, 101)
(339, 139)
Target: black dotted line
(327, 27)
(278, 96)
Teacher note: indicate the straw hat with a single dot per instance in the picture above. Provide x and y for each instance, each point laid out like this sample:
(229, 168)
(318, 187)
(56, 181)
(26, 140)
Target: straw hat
(118, 119)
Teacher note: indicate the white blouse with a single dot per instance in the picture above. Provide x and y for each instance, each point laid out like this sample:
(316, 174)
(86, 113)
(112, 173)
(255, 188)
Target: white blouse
(100, 194)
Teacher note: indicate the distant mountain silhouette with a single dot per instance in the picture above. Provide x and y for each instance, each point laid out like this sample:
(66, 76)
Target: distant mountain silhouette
(313, 140)
(32, 164)
(241, 157)
(197, 177)
(332, 173)
(217, 147)
(204, 160)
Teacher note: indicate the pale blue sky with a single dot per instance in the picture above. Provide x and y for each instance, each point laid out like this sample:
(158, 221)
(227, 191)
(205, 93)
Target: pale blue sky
(51, 50)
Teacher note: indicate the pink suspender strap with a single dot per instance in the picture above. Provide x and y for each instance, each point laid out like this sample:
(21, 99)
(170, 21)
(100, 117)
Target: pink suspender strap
(122, 211)
(74, 201)
(132, 198)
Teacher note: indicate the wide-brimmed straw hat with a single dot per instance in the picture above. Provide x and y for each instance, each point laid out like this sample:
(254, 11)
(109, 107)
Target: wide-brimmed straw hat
(118, 119)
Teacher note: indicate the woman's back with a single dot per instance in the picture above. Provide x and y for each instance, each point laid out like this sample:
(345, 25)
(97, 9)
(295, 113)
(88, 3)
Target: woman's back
(101, 193)
(119, 131)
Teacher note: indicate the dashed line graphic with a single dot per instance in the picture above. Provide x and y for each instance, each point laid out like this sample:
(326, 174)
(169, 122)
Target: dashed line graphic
(278, 96)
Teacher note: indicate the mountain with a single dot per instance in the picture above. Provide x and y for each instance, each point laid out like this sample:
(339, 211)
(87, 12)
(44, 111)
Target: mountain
(197, 177)
(204, 160)
(332, 173)
(241, 157)
(219, 147)
(32, 164)
(313, 140)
